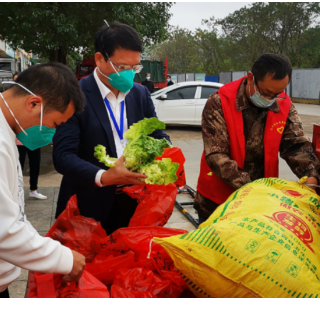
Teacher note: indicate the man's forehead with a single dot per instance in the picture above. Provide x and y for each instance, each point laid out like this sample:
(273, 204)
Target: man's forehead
(276, 86)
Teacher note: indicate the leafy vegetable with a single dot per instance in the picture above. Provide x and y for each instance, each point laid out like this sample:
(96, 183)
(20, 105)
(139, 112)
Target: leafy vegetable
(101, 155)
(141, 151)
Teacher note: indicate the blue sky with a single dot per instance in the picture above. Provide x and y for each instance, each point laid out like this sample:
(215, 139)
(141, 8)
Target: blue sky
(189, 14)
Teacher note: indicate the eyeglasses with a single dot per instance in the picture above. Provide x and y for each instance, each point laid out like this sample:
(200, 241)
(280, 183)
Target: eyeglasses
(270, 98)
(124, 67)
(137, 67)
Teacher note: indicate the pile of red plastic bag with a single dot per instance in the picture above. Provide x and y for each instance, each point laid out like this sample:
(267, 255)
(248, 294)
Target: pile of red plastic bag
(125, 264)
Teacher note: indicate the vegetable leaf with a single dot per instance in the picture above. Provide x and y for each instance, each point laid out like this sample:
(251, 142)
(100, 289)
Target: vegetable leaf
(143, 127)
(101, 154)
(141, 151)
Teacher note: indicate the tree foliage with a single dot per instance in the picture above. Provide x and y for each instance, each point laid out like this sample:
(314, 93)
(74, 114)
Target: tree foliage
(181, 41)
(235, 42)
(55, 28)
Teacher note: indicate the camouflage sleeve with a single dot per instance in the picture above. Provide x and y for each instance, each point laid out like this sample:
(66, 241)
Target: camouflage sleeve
(216, 145)
(296, 149)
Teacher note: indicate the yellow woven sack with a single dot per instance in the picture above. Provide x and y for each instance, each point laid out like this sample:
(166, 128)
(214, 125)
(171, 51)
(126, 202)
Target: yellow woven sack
(264, 241)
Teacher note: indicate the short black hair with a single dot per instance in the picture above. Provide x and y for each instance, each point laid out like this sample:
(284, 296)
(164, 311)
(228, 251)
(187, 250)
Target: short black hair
(168, 75)
(16, 73)
(55, 83)
(277, 65)
(117, 35)
(148, 73)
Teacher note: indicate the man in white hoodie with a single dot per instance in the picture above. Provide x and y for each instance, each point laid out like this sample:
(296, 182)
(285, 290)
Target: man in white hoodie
(43, 97)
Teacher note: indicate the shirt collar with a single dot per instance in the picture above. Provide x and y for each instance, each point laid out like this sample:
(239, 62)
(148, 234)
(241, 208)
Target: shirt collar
(242, 102)
(105, 91)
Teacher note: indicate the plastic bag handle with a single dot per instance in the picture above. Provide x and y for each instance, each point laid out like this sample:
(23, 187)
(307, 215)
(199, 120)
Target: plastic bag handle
(45, 286)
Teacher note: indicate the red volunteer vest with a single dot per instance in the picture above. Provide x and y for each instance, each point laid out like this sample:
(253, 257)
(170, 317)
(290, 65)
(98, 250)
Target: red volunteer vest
(213, 187)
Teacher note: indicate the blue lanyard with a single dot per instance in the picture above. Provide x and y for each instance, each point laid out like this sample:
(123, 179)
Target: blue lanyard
(120, 131)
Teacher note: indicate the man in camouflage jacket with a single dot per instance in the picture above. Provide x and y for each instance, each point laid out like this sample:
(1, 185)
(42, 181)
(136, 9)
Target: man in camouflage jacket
(295, 148)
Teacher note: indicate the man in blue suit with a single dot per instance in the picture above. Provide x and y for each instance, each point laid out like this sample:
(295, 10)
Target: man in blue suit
(113, 104)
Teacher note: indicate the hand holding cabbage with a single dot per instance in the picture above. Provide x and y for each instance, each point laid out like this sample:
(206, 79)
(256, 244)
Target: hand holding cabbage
(141, 152)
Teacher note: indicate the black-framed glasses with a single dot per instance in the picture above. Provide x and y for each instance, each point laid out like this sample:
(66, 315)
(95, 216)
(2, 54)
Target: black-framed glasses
(271, 98)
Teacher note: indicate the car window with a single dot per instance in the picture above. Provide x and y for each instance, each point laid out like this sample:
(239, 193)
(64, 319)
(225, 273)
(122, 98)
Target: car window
(159, 91)
(85, 70)
(5, 66)
(182, 93)
(208, 91)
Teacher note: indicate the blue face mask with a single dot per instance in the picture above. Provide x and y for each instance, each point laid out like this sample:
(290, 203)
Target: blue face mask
(259, 101)
(148, 78)
(168, 80)
(34, 137)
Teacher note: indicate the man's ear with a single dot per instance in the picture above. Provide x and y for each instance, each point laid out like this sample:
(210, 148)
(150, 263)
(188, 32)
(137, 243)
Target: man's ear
(34, 102)
(98, 57)
(250, 78)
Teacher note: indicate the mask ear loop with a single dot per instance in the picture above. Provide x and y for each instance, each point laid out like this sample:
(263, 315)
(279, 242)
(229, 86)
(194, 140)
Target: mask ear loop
(20, 85)
(5, 102)
(41, 116)
(107, 57)
(114, 68)
(103, 74)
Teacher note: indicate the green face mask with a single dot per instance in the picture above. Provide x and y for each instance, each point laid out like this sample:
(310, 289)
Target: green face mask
(34, 137)
(122, 80)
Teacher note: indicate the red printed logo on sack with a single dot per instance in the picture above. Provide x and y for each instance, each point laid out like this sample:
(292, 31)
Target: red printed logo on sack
(294, 224)
(293, 194)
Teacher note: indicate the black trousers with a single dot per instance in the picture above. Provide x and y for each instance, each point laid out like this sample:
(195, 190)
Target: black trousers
(5, 294)
(34, 164)
(122, 211)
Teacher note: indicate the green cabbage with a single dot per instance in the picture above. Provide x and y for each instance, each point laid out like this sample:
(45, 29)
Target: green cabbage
(141, 151)
(101, 154)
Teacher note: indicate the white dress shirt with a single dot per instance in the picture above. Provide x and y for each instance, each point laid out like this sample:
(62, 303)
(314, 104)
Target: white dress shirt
(115, 105)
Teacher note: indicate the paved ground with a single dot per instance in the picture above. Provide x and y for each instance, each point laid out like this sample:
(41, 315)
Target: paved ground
(41, 213)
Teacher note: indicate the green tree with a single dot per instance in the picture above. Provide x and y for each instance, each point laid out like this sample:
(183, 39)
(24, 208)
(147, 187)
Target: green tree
(56, 28)
(276, 27)
(180, 49)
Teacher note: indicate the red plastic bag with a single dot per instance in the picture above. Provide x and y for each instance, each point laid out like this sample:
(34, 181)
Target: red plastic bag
(118, 292)
(129, 248)
(126, 248)
(155, 204)
(77, 232)
(105, 269)
(143, 280)
(176, 155)
(52, 286)
(138, 239)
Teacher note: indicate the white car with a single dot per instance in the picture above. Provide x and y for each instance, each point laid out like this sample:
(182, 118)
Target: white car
(183, 103)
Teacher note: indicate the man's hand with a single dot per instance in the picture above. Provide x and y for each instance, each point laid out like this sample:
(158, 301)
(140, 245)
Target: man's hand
(312, 180)
(79, 263)
(119, 174)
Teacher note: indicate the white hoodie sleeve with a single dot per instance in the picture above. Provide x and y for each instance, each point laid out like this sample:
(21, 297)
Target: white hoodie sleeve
(20, 244)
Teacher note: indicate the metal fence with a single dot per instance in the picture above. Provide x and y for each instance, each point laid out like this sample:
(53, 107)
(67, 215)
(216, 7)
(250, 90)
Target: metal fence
(305, 85)
(225, 77)
(229, 76)
(183, 77)
(190, 77)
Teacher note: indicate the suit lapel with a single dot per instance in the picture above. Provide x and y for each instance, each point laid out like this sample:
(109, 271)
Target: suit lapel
(99, 107)
(131, 114)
